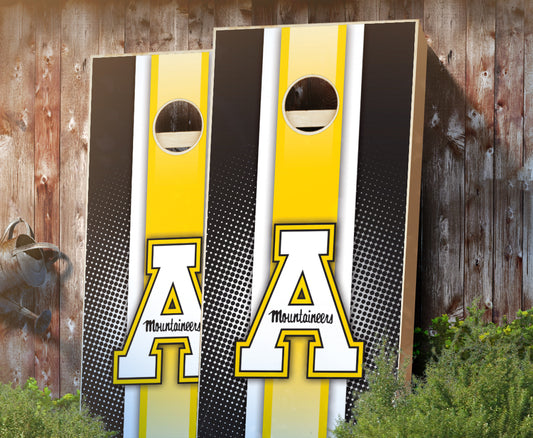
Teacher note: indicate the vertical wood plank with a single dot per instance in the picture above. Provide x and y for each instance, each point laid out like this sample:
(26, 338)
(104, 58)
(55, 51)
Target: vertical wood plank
(263, 12)
(201, 22)
(527, 172)
(418, 10)
(508, 157)
(230, 13)
(169, 25)
(47, 127)
(291, 12)
(409, 9)
(403, 9)
(17, 71)
(137, 27)
(332, 11)
(79, 37)
(387, 9)
(479, 152)
(442, 255)
(111, 27)
(363, 10)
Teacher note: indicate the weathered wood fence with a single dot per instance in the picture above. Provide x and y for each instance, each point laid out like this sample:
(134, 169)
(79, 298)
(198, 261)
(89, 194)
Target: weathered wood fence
(477, 205)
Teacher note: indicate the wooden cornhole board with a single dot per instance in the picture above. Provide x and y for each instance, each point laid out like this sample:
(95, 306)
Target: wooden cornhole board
(312, 221)
(145, 227)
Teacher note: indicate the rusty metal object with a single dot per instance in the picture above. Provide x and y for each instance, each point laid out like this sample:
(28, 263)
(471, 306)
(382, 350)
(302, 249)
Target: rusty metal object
(41, 322)
(23, 263)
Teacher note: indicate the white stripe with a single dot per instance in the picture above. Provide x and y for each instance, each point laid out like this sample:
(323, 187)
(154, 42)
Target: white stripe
(263, 207)
(347, 192)
(138, 221)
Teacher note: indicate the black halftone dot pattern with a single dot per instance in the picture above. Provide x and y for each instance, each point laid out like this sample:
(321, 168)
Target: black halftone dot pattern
(377, 263)
(108, 234)
(106, 297)
(227, 296)
(230, 230)
(378, 258)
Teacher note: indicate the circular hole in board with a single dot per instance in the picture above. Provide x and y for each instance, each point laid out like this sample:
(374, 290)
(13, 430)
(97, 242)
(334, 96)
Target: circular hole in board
(178, 126)
(310, 105)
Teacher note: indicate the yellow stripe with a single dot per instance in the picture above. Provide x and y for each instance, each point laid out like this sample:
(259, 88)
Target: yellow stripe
(267, 412)
(193, 404)
(142, 412)
(323, 416)
(174, 208)
(306, 188)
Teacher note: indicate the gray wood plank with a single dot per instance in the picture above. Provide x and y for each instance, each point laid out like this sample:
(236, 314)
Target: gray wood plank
(479, 153)
(508, 156)
(137, 26)
(442, 254)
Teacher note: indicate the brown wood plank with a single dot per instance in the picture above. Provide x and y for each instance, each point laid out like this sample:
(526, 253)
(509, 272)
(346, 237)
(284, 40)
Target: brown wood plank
(291, 12)
(527, 173)
(442, 218)
(79, 18)
(332, 11)
(263, 12)
(137, 27)
(417, 10)
(508, 158)
(17, 71)
(230, 13)
(408, 9)
(201, 22)
(112, 27)
(479, 152)
(387, 9)
(364, 10)
(47, 127)
(169, 25)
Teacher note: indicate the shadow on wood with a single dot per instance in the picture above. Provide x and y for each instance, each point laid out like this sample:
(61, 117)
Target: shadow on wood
(441, 254)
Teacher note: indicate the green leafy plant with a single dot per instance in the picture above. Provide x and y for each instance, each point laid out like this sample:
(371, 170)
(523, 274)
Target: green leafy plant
(479, 383)
(29, 412)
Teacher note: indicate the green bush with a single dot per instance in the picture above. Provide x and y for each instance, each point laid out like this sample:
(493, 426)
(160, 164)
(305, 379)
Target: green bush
(29, 412)
(478, 384)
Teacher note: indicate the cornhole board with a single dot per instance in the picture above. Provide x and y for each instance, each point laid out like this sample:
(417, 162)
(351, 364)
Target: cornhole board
(145, 223)
(312, 221)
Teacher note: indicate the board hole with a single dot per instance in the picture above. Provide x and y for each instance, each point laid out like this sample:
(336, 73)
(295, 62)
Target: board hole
(178, 126)
(310, 105)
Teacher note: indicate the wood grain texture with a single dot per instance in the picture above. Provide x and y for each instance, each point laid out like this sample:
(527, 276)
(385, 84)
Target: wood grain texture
(16, 172)
(418, 9)
(137, 26)
(263, 12)
(387, 10)
(443, 174)
(508, 156)
(332, 11)
(79, 40)
(230, 13)
(47, 220)
(291, 12)
(364, 10)
(527, 170)
(111, 27)
(201, 22)
(408, 9)
(479, 153)
(169, 25)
